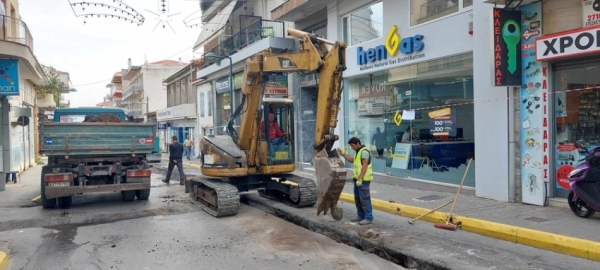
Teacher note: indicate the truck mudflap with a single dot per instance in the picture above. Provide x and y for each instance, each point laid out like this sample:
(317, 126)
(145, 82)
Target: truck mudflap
(58, 191)
(154, 157)
(331, 179)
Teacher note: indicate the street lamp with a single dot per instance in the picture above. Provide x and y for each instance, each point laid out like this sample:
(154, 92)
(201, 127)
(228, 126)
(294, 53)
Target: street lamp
(212, 56)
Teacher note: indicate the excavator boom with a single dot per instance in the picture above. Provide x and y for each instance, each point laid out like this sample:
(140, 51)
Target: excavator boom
(242, 156)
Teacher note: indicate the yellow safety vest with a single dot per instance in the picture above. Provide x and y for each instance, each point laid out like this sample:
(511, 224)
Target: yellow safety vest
(358, 166)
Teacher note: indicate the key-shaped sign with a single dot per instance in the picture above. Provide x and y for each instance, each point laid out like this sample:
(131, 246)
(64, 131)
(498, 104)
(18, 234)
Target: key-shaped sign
(511, 33)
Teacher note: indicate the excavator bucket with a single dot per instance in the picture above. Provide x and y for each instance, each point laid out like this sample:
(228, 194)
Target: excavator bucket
(331, 178)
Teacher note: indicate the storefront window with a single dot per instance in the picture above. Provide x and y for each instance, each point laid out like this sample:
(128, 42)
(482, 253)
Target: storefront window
(364, 25)
(577, 119)
(434, 100)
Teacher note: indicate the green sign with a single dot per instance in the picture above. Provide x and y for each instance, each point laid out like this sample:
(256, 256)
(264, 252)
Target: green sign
(237, 80)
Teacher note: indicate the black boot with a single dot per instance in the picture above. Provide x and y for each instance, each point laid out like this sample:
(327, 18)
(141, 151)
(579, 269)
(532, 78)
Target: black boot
(165, 181)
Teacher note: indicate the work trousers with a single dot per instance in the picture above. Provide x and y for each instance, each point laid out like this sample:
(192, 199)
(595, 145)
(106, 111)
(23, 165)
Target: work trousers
(362, 199)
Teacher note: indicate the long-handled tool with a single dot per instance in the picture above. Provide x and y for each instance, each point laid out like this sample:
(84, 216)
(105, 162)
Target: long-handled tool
(447, 226)
(411, 222)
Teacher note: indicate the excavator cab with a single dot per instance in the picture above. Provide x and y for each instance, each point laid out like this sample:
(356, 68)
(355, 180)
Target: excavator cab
(277, 148)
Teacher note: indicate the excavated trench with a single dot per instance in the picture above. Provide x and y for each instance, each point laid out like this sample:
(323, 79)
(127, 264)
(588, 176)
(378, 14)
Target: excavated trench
(343, 236)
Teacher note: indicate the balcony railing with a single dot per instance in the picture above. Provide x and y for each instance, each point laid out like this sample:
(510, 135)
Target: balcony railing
(15, 30)
(438, 8)
(253, 33)
(134, 89)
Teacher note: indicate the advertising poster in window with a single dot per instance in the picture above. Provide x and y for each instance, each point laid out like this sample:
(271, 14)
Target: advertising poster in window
(374, 99)
(443, 122)
(401, 156)
(591, 13)
(534, 110)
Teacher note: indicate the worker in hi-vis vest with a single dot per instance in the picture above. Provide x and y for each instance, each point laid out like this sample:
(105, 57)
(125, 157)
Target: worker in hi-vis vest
(362, 174)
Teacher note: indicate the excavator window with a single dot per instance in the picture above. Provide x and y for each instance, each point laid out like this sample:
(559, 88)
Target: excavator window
(280, 133)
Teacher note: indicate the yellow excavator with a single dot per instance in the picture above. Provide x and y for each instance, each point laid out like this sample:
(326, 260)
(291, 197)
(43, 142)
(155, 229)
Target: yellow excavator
(249, 159)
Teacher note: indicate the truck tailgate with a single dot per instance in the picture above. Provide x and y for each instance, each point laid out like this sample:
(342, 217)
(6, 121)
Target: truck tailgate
(97, 138)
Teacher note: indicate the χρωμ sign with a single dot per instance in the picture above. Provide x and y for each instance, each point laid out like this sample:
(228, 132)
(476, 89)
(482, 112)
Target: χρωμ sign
(393, 43)
(9, 77)
(570, 43)
(507, 47)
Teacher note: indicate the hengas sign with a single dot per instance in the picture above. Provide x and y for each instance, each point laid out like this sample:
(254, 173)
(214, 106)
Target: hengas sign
(567, 44)
(385, 54)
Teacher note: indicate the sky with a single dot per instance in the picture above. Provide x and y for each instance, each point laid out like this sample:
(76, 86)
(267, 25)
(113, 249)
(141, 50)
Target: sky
(93, 52)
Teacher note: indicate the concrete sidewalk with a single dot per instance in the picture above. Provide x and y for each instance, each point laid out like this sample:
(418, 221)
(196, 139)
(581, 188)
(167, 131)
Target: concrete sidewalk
(550, 228)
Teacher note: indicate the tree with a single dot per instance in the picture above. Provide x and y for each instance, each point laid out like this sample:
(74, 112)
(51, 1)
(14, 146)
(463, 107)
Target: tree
(54, 85)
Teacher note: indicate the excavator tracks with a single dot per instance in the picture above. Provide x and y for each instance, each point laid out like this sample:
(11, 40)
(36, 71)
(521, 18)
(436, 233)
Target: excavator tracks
(218, 198)
(305, 195)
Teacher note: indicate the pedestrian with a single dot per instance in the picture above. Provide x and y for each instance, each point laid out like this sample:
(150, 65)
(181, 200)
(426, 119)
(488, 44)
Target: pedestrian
(188, 146)
(175, 159)
(362, 174)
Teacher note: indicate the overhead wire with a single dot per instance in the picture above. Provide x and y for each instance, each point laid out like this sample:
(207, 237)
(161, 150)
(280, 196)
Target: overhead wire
(100, 81)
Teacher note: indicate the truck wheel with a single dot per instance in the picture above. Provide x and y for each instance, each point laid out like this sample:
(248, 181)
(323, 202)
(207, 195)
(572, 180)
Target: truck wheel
(128, 195)
(46, 203)
(142, 194)
(65, 202)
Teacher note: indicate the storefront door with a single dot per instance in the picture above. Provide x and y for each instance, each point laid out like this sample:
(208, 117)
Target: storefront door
(577, 118)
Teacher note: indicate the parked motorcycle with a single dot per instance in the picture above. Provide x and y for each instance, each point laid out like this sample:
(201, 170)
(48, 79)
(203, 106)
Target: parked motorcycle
(584, 180)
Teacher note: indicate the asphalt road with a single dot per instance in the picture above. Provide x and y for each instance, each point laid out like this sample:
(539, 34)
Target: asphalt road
(166, 232)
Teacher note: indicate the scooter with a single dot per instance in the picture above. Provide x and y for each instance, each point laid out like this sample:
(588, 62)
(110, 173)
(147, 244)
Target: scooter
(584, 180)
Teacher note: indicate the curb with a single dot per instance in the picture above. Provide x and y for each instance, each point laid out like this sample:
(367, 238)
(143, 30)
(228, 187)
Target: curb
(539, 239)
(572, 246)
(4, 258)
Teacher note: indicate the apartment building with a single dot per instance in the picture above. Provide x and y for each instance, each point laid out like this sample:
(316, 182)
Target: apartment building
(234, 30)
(143, 89)
(184, 113)
(115, 92)
(21, 73)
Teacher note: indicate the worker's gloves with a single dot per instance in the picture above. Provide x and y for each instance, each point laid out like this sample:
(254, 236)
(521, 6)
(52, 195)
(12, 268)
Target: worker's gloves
(359, 183)
(341, 152)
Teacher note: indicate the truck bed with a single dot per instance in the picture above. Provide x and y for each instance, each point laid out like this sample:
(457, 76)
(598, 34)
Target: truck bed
(94, 139)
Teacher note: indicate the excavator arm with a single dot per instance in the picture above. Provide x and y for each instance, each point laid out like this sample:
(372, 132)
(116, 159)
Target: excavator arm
(314, 56)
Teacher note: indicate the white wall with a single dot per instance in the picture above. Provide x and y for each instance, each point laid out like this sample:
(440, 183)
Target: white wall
(153, 88)
(206, 121)
(491, 118)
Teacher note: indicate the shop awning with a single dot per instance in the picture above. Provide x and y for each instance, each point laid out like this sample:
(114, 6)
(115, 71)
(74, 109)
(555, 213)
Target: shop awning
(214, 26)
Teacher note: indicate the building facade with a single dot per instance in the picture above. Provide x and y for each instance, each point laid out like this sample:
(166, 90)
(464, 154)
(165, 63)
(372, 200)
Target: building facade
(237, 30)
(181, 116)
(143, 89)
(21, 74)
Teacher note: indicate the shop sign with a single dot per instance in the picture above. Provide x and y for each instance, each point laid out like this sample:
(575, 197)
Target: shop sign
(567, 155)
(180, 111)
(277, 85)
(443, 122)
(534, 110)
(9, 77)
(569, 43)
(222, 85)
(591, 13)
(393, 43)
(507, 47)
(160, 126)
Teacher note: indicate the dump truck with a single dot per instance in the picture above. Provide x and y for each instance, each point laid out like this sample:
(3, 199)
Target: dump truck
(94, 150)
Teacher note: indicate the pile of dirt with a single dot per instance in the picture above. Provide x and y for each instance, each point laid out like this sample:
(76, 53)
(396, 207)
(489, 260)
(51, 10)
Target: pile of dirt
(105, 117)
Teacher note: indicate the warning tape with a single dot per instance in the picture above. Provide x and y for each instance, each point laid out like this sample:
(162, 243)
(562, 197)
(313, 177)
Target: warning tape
(471, 102)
